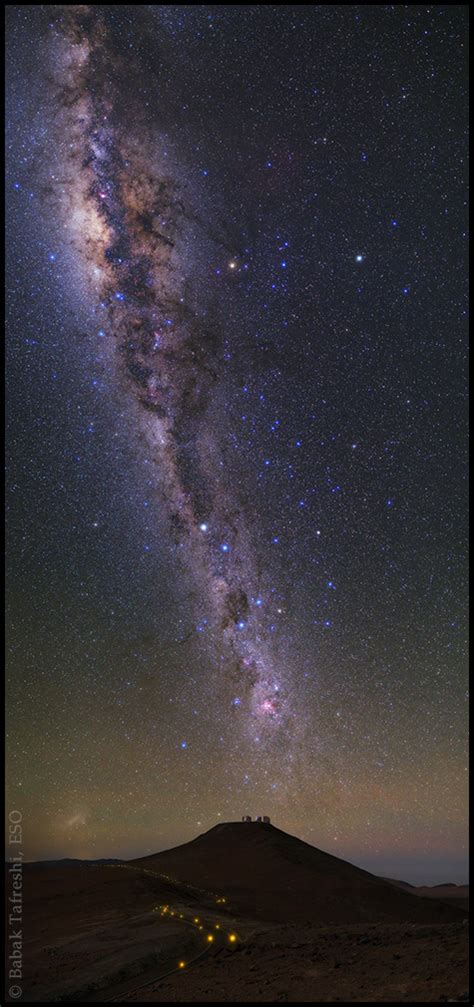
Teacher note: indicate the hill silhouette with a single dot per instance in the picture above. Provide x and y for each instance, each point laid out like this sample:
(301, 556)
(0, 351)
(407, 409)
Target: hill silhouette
(273, 876)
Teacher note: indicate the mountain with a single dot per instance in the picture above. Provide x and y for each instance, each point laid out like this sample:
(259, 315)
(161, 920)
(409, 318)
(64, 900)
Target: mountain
(73, 862)
(269, 875)
(400, 884)
(447, 889)
(457, 895)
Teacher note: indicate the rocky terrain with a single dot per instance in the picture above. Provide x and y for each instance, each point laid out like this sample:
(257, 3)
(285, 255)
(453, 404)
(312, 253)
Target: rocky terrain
(243, 913)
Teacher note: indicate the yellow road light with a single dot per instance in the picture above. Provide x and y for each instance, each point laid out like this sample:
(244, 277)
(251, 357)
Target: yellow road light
(182, 965)
(210, 937)
(232, 938)
(196, 919)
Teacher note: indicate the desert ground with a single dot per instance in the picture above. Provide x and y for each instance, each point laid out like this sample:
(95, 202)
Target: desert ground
(241, 914)
(359, 964)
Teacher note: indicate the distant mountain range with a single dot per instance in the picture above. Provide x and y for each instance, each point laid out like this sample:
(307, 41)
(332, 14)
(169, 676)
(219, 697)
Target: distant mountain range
(457, 894)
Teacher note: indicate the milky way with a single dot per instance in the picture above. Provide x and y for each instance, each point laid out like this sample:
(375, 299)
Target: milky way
(132, 221)
(237, 354)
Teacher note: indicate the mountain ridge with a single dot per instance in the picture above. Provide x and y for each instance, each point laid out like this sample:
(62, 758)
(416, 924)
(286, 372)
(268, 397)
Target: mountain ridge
(272, 875)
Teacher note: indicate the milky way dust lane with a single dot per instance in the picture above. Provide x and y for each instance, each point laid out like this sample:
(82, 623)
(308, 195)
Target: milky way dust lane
(136, 233)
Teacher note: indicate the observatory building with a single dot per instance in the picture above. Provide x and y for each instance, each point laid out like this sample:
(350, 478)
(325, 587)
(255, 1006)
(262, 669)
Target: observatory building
(260, 818)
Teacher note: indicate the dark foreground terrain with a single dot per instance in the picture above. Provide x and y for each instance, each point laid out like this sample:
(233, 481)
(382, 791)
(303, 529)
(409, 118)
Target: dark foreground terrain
(243, 913)
(358, 964)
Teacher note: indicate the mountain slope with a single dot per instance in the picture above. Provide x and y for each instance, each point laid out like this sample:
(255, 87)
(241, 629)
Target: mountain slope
(270, 875)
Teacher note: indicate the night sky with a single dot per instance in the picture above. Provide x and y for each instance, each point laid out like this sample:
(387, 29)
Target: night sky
(237, 409)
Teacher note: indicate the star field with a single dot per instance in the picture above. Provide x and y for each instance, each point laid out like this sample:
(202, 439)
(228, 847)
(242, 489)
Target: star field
(237, 411)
